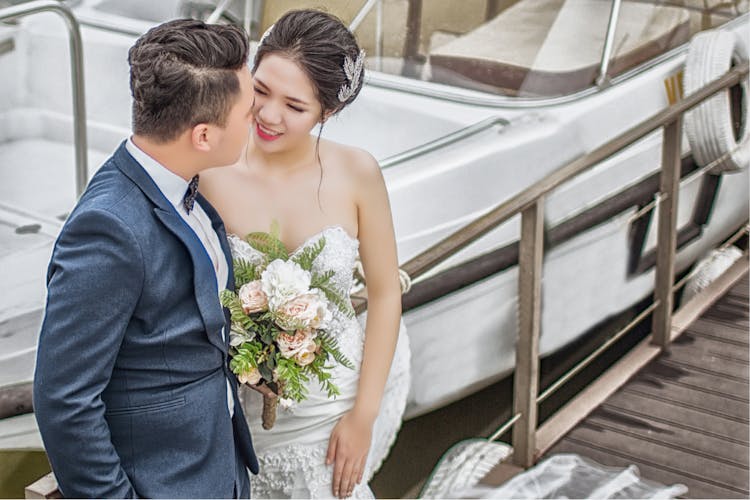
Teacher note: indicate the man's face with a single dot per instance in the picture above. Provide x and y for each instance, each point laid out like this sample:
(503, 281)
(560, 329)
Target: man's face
(234, 135)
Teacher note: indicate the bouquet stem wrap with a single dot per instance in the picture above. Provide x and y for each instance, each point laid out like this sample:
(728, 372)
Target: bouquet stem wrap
(270, 403)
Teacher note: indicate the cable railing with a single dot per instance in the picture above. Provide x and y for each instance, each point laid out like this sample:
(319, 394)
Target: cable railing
(530, 204)
(76, 62)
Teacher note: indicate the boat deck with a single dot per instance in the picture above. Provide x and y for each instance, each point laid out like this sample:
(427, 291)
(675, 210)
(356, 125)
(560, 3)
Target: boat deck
(683, 418)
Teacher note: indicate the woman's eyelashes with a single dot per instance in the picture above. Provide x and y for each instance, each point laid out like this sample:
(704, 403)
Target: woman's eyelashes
(290, 106)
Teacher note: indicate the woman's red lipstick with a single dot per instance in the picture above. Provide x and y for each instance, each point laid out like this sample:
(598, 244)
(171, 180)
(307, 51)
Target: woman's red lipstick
(265, 136)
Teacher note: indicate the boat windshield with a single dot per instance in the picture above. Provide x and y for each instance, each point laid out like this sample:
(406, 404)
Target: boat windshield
(524, 48)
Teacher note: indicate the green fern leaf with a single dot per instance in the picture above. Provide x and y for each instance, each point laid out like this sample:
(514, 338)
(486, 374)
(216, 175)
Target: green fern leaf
(331, 345)
(268, 244)
(333, 297)
(307, 255)
(244, 272)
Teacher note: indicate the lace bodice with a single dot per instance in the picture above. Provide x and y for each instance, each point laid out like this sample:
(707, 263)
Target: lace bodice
(339, 255)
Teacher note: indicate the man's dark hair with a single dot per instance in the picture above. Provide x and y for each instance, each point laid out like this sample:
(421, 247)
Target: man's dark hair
(183, 73)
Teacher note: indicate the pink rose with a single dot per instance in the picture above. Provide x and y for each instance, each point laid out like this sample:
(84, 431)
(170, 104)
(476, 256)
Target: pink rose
(253, 297)
(309, 310)
(291, 344)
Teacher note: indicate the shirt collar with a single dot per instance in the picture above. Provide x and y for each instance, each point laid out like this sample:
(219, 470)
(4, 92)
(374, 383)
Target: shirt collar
(170, 184)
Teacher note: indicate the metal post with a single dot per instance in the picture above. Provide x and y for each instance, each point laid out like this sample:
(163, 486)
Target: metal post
(76, 74)
(667, 236)
(218, 11)
(607, 52)
(248, 15)
(526, 385)
(360, 16)
(379, 37)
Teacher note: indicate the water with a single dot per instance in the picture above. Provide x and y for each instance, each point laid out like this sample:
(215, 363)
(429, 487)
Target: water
(19, 468)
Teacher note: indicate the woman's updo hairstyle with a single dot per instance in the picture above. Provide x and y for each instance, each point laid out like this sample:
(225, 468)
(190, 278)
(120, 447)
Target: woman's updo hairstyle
(326, 51)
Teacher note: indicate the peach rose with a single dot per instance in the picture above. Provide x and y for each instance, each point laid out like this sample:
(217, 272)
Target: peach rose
(251, 377)
(306, 354)
(253, 297)
(309, 310)
(291, 344)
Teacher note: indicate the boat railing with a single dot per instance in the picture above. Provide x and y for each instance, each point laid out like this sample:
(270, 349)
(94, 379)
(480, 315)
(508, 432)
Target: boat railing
(76, 61)
(443, 141)
(530, 204)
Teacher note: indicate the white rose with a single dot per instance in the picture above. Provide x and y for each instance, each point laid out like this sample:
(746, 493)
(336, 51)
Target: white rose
(253, 298)
(291, 344)
(284, 280)
(251, 377)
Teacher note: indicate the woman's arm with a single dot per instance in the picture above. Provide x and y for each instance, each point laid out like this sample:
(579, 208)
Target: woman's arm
(350, 440)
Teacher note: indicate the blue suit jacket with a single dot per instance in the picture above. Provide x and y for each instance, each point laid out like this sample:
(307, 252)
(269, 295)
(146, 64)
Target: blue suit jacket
(129, 391)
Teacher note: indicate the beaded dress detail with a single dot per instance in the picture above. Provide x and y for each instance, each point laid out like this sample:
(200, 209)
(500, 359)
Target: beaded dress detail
(292, 454)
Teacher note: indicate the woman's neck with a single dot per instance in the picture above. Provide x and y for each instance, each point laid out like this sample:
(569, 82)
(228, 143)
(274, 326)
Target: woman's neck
(284, 162)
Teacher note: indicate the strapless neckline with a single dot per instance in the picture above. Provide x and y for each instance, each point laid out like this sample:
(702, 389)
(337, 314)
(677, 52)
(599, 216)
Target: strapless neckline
(313, 237)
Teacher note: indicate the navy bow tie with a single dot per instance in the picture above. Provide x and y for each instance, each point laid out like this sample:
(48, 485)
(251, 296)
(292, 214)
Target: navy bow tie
(192, 191)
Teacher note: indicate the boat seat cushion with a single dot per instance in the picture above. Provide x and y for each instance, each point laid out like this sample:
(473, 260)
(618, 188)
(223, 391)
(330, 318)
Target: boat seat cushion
(554, 47)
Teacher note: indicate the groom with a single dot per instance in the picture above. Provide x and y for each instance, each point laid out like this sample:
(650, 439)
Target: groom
(132, 392)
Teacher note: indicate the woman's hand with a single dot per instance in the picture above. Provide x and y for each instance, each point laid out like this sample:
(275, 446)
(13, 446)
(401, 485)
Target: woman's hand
(347, 450)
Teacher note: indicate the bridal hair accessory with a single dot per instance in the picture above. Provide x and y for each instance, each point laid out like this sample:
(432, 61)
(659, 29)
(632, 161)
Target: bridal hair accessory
(265, 35)
(353, 70)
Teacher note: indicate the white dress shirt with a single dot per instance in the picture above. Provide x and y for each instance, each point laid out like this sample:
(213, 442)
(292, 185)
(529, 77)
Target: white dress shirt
(174, 187)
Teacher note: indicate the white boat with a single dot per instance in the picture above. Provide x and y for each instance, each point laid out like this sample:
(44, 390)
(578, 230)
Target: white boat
(466, 105)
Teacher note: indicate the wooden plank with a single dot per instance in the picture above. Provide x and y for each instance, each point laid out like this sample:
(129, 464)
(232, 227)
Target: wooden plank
(588, 399)
(704, 363)
(711, 347)
(526, 379)
(659, 370)
(690, 397)
(691, 464)
(669, 183)
(720, 330)
(641, 406)
(678, 437)
(595, 394)
(655, 472)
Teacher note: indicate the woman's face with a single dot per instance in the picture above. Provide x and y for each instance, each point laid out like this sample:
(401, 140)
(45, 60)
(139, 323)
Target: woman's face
(286, 108)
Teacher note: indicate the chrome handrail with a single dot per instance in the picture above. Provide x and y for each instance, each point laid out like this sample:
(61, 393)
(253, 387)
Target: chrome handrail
(360, 16)
(614, 14)
(443, 141)
(218, 11)
(76, 61)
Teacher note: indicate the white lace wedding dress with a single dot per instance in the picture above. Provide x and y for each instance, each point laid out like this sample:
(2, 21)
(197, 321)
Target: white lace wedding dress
(292, 454)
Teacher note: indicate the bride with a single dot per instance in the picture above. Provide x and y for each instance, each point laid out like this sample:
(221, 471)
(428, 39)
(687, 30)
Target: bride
(308, 67)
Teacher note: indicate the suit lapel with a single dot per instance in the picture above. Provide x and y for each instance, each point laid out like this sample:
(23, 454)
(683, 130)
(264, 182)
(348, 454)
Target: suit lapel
(204, 277)
(218, 226)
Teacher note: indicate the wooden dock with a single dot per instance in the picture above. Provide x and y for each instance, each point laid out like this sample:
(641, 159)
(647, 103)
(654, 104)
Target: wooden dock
(683, 418)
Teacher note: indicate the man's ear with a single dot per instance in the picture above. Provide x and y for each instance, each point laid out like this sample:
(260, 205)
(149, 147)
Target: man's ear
(199, 137)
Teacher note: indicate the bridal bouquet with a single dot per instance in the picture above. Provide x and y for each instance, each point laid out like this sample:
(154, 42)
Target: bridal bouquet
(279, 317)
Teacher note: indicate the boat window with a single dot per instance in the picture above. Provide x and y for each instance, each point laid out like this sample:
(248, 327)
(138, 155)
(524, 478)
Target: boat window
(525, 48)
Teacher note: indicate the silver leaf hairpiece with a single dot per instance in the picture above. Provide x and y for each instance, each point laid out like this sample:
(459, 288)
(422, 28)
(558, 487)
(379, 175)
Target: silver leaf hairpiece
(265, 35)
(353, 71)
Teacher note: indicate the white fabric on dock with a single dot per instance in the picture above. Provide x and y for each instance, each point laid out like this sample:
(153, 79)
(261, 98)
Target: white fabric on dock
(572, 476)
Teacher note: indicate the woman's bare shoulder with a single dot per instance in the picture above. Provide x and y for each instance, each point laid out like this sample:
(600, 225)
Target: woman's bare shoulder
(359, 165)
